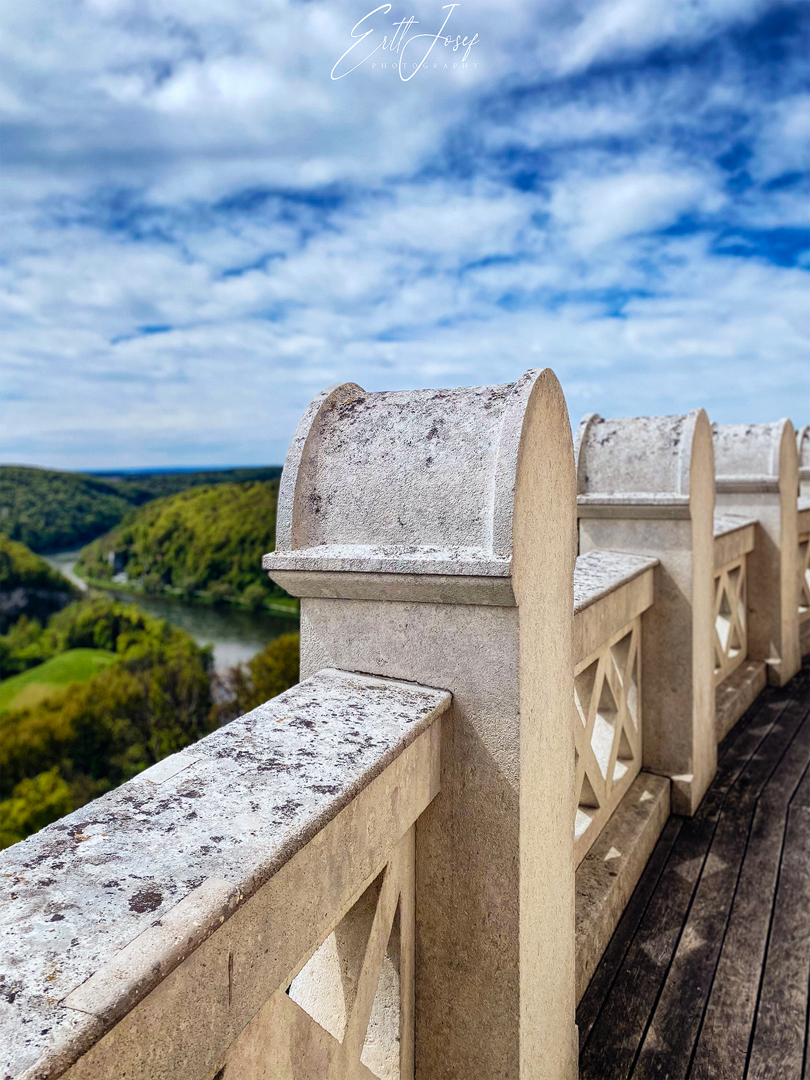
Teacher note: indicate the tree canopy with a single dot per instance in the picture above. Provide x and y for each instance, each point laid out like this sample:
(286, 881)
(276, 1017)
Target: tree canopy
(81, 741)
(49, 510)
(206, 542)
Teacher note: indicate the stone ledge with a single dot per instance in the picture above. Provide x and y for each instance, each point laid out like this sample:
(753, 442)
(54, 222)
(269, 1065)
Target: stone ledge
(160, 862)
(610, 871)
(736, 694)
(734, 536)
(599, 572)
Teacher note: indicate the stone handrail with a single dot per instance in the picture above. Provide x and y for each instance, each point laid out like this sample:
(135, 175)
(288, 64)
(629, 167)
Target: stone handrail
(804, 574)
(734, 539)
(611, 591)
(188, 901)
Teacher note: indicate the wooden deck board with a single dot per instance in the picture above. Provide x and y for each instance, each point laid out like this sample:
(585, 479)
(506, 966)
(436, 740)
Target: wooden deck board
(707, 973)
(722, 1048)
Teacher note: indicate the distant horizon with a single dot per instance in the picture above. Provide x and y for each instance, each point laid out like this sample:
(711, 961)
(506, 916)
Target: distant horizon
(137, 470)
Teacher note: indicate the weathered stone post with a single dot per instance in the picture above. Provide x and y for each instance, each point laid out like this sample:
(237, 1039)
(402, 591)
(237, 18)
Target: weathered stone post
(431, 536)
(646, 485)
(757, 475)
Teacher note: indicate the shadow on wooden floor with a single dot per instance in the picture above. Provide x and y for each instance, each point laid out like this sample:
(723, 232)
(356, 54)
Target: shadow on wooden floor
(707, 973)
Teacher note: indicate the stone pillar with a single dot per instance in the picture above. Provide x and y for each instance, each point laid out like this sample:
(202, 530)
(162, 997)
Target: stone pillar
(431, 537)
(803, 449)
(646, 485)
(757, 475)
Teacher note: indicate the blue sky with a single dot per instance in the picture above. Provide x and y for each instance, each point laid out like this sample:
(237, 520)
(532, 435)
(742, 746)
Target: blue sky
(200, 227)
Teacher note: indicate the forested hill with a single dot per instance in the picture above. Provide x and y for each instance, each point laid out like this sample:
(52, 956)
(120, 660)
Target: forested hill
(52, 511)
(205, 543)
(28, 586)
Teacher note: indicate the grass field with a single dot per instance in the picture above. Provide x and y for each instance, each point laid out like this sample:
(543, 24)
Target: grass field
(73, 666)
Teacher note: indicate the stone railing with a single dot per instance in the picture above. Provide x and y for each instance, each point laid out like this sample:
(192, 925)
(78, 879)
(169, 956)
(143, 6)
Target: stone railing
(804, 575)
(517, 655)
(168, 928)
(611, 591)
(733, 540)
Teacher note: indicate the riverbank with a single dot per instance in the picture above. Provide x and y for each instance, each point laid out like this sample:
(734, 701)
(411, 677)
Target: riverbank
(235, 633)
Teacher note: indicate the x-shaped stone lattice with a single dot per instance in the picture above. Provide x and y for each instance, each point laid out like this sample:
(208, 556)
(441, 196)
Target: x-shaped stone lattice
(327, 1022)
(348, 1012)
(607, 731)
(730, 625)
(804, 577)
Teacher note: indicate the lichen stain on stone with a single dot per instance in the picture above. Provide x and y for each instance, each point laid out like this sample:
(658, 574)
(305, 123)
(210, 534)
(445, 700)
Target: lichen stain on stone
(147, 899)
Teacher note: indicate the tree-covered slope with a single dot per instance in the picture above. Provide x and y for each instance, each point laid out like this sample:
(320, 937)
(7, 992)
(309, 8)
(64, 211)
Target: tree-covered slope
(49, 510)
(126, 691)
(28, 586)
(52, 511)
(205, 543)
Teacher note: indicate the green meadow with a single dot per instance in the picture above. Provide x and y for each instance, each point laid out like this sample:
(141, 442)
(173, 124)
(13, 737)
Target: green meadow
(31, 687)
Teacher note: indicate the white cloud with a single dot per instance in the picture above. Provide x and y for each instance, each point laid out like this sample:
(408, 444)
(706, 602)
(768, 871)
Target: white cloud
(146, 322)
(645, 197)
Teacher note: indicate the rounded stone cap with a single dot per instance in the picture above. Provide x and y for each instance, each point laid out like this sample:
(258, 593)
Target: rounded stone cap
(405, 482)
(753, 457)
(640, 461)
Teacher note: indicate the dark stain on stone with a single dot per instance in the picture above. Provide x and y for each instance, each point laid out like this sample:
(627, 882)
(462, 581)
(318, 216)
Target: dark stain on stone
(147, 899)
(9, 992)
(56, 918)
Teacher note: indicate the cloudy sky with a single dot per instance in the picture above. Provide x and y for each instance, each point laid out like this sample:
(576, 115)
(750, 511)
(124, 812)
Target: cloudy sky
(204, 220)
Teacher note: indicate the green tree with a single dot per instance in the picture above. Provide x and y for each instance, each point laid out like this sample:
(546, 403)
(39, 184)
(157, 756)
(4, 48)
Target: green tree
(28, 585)
(154, 701)
(52, 511)
(35, 803)
(206, 542)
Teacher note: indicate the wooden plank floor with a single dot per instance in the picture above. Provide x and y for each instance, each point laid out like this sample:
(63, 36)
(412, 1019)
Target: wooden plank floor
(706, 976)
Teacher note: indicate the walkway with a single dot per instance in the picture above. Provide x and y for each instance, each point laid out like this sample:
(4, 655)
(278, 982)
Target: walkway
(707, 973)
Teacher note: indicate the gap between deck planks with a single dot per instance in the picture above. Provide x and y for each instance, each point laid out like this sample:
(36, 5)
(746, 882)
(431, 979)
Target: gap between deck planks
(706, 975)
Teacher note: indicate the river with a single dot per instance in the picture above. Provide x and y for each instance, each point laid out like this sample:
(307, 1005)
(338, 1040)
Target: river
(236, 634)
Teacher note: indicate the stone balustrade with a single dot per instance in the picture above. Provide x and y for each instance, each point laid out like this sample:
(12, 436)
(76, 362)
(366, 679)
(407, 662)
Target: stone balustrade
(738, 679)
(518, 653)
(156, 931)
(611, 592)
